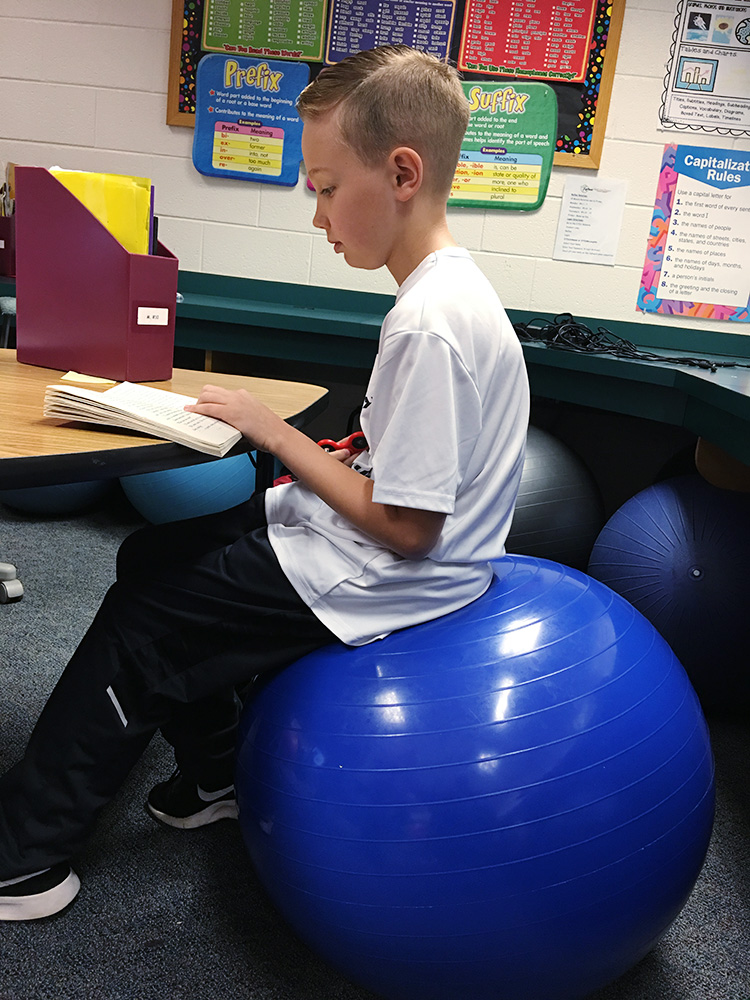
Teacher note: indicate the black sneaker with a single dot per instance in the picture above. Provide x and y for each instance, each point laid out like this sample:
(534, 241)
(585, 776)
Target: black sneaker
(178, 802)
(40, 894)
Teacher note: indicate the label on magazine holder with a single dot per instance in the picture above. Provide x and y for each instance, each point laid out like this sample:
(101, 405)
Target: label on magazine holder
(150, 316)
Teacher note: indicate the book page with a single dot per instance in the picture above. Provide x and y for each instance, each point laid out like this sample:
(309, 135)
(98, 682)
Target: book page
(165, 408)
(145, 408)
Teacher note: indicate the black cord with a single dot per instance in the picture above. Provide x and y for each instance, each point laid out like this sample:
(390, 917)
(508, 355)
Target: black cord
(566, 334)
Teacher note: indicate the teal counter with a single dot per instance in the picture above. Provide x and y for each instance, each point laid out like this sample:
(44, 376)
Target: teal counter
(327, 326)
(273, 319)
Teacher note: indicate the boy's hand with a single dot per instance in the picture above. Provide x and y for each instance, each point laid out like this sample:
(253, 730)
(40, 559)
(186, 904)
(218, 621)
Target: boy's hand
(352, 445)
(237, 407)
(408, 532)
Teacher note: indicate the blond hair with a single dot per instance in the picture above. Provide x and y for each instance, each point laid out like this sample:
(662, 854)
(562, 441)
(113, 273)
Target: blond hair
(394, 96)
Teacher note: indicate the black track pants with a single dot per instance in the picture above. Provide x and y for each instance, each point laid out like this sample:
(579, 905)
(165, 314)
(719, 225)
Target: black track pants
(200, 607)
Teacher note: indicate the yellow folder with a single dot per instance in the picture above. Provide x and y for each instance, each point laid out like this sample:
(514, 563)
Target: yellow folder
(119, 202)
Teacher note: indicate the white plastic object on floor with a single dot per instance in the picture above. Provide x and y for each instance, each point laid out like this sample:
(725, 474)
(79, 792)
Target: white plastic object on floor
(11, 588)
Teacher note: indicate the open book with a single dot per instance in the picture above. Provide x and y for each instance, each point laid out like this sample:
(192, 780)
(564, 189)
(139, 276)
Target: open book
(142, 408)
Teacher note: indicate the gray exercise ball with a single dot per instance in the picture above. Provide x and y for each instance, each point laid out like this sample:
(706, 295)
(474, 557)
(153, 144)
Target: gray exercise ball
(559, 512)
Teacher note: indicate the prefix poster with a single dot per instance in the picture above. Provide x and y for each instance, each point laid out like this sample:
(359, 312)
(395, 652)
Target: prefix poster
(707, 86)
(246, 122)
(506, 156)
(280, 29)
(699, 245)
(544, 39)
(356, 25)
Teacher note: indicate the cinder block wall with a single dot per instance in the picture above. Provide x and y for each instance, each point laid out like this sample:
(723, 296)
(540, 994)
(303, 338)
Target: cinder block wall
(82, 87)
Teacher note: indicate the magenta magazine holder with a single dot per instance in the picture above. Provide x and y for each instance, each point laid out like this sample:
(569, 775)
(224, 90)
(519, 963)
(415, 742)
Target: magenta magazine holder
(84, 303)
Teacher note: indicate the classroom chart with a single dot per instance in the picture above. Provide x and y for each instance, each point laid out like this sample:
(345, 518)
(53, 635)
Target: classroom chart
(506, 156)
(247, 126)
(583, 105)
(542, 39)
(708, 78)
(282, 29)
(696, 260)
(497, 177)
(249, 148)
(356, 25)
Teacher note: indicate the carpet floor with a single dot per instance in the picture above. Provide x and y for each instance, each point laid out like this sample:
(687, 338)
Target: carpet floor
(180, 915)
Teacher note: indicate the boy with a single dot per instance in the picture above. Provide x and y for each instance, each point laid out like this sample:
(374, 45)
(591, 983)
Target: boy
(350, 551)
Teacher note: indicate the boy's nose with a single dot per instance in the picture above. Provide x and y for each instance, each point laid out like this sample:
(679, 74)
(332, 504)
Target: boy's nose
(319, 219)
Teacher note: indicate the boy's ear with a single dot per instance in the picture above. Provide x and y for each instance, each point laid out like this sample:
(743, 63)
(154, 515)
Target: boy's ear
(407, 172)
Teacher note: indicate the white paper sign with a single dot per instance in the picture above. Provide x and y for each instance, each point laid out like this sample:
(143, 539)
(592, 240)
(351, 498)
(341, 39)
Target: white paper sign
(708, 74)
(590, 220)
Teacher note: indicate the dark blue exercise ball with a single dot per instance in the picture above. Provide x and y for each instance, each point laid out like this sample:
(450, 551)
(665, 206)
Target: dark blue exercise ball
(512, 801)
(58, 499)
(679, 551)
(559, 510)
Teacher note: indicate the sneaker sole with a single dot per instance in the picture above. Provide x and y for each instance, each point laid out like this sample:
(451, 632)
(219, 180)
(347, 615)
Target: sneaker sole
(41, 904)
(211, 814)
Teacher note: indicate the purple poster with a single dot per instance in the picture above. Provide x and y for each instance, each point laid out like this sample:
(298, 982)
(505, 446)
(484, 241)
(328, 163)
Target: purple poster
(356, 25)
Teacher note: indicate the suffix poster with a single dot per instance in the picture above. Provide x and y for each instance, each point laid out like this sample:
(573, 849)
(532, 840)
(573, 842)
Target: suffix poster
(506, 156)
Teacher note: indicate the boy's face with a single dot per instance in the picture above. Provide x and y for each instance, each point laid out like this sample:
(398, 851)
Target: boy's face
(355, 203)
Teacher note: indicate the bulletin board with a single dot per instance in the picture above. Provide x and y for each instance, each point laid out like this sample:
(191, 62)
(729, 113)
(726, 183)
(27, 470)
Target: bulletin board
(582, 104)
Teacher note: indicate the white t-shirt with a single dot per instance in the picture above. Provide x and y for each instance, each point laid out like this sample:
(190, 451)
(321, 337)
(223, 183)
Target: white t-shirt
(445, 417)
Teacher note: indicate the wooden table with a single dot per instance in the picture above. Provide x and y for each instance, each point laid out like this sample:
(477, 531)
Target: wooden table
(39, 451)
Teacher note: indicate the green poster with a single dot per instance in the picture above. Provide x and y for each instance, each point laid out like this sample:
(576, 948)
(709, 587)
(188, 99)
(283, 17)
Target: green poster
(278, 29)
(506, 156)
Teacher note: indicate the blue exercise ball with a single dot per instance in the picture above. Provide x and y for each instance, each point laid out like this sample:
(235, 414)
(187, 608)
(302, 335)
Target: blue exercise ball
(559, 510)
(62, 498)
(679, 551)
(512, 801)
(192, 491)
